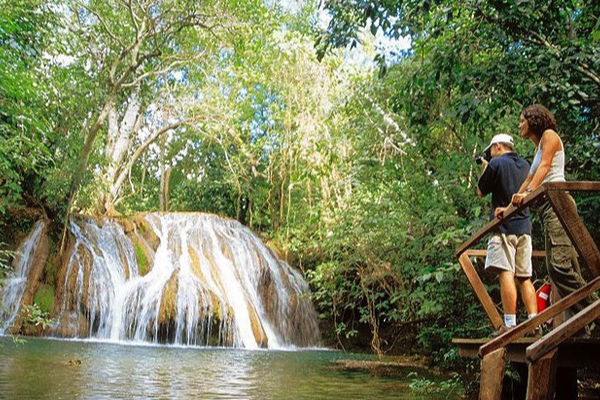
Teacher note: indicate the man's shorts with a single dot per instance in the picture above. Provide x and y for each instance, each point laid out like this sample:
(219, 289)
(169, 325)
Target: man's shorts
(510, 253)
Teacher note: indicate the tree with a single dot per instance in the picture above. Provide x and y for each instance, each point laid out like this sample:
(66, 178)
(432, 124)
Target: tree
(262, 149)
(136, 52)
(517, 53)
(25, 131)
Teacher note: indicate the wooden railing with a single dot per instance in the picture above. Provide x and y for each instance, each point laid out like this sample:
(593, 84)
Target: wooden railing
(542, 353)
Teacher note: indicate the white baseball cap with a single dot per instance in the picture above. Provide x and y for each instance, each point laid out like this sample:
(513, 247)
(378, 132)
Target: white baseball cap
(499, 138)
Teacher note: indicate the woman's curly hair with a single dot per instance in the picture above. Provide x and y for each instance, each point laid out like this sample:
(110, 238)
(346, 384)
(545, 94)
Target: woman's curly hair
(539, 119)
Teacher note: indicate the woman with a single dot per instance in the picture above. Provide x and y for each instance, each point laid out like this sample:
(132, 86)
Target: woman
(539, 125)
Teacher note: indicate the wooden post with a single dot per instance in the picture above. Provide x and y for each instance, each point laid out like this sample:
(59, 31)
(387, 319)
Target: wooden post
(492, 375)
(583, 242)
(542, 377)
(560, 317)
(480, 292)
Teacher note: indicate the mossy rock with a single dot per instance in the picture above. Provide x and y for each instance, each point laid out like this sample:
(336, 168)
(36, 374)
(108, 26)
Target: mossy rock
(44, 298)
(144, 230)
(144, 265)
(168, 305)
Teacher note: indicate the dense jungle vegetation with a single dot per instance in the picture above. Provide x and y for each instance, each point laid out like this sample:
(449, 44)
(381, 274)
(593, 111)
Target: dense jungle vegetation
(355, 161)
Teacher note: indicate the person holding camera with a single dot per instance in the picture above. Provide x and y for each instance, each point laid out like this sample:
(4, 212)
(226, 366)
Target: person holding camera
(539, 125)
(509, 248)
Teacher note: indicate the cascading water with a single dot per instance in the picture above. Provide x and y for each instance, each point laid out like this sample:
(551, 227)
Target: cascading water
(190, 279)
(14, 287)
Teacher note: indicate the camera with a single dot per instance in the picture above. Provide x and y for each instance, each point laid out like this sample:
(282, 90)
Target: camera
(479, 159)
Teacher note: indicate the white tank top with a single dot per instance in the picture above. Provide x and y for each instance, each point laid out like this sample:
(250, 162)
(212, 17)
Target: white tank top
(556, 173)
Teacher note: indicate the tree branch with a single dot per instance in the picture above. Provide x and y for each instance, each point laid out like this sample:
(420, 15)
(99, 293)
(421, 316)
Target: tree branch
(116, 186)
(101, 20)
(534, 37)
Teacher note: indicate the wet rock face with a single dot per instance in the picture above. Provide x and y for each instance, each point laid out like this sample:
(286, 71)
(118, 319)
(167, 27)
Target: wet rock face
(191, 279)
(20, 288)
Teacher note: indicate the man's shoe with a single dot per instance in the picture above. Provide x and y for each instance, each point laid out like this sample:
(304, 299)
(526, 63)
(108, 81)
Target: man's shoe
(588, 332)
(499, 331)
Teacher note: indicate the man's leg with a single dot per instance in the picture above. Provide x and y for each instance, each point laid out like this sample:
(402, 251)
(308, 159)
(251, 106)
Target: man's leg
(508, 294)
(500, 254)
(528, 295)
(523, 272)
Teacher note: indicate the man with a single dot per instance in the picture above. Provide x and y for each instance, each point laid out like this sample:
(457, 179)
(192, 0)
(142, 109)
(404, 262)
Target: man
(509, 249)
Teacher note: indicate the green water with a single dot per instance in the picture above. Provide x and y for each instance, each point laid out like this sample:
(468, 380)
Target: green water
(48, 369)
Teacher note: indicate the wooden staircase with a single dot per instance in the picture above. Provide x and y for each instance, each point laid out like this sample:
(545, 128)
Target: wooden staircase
(559, 350)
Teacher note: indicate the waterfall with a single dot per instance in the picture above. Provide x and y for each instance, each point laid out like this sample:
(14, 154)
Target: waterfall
(14, 287)
(188, 279)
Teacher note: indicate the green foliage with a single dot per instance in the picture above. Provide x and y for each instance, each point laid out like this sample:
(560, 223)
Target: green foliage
(25, 130)
(34, 315)
(493, 58)
(389, 262)
(423, 386)
(212, 192)
(470, 71)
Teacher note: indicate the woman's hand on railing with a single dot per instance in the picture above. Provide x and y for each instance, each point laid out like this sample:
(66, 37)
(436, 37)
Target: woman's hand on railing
(517, 198)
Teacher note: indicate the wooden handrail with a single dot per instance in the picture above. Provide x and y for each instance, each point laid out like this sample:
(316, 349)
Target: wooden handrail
(532, 198)
(483, 253)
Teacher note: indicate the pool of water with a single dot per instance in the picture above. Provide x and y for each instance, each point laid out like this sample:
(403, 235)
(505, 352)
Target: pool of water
(62, 369)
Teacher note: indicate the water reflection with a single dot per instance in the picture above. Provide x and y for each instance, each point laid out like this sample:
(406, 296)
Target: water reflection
(49, 369)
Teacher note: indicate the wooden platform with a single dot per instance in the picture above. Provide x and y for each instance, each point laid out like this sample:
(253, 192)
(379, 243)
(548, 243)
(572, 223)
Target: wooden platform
(552, 361)
(572, 353)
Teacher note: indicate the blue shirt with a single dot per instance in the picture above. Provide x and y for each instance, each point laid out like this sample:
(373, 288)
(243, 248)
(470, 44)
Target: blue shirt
(503, 178)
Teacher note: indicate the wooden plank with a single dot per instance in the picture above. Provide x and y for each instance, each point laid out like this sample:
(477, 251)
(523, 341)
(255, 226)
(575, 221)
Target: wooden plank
(514, 351)
(582, 240)
(572, 353)
(533, 197)
(563, 332)
(574, 186)
(492, 374)
(483, 253)
(559, 318)
(480, 292)
(542, 378)
(520, 330)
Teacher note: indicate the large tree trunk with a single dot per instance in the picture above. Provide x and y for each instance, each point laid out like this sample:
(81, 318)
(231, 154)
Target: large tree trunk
(83, 163)
(120, 138)
(165, 177)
